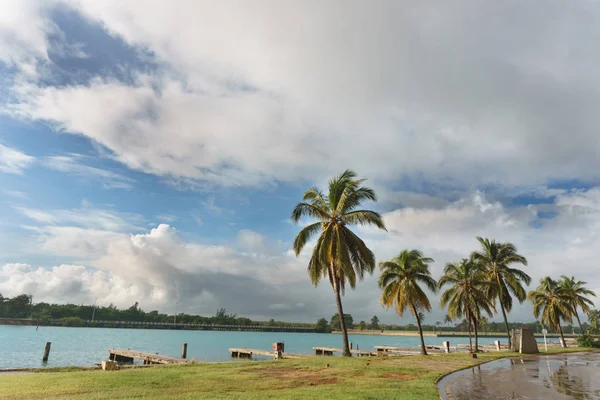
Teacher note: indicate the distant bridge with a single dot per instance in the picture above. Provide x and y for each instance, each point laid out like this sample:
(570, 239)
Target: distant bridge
(200, 327)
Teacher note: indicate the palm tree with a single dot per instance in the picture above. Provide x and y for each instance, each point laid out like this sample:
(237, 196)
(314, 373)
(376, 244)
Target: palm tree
(438, 324)
(338, 254)
(505, 281)
(553, 303)
(578, 295)
(447, 319)
(467, 293)
(594, 318)
(400, 278)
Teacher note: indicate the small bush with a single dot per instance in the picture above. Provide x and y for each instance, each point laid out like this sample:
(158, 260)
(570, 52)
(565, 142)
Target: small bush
(588, 341)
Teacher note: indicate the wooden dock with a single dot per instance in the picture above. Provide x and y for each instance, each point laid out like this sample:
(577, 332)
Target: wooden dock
(128, 356)
(328, 351)
(248, 353)
(392, 350)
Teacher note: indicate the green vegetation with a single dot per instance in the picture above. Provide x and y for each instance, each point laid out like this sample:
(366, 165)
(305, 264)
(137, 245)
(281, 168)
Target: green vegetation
(557, 301)
(588, 340)
(76, 315)
(339, 254)
(577, 296)
(467, 294)
(335, 322)
(552, 303)
(400, 279)
(504, 281)
(411, 377)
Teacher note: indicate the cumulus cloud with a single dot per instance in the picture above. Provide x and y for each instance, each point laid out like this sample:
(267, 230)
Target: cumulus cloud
(13, 161)
(252, 276)
(272, 92)
(158, 269)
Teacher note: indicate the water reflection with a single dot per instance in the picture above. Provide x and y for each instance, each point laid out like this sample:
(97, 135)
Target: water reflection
(573, 376)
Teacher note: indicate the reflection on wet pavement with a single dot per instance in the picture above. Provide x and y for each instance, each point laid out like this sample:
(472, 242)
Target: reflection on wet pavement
(564, 376)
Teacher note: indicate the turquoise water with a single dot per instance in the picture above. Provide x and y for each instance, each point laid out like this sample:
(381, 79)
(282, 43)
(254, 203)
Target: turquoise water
(22, 346)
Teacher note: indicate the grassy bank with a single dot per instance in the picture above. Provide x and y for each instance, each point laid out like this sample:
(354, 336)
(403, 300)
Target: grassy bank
(410, 377)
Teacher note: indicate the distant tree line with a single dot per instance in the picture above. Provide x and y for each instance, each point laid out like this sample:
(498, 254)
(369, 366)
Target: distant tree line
(22, 306)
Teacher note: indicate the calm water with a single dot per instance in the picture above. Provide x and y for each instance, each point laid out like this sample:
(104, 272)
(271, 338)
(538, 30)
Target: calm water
(22, 346)
(560, 377)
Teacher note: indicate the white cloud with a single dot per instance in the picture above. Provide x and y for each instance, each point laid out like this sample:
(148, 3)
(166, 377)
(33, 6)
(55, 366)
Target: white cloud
(159, 269)
(23, 30)
(87, 216)
(13, 161)
(257, 277)
(282, 93)
(73, 164)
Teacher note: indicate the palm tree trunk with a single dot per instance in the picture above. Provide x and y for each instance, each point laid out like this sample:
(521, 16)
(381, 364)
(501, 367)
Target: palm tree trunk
(579, 322)
(476, 335)
(423, 349)
(562, 336)
(504, 313)
(469, 328)
(338, 299)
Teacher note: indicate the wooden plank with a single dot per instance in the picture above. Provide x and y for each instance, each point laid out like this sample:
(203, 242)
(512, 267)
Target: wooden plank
(331, 350)
(147, 358)
(248, 353)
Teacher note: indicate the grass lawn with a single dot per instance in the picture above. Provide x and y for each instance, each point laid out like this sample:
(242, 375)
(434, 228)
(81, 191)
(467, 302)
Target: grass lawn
(409, 377)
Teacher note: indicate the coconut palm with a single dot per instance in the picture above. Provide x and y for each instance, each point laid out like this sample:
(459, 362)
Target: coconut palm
(338, 254)
(400, 281)
(578, 295)
(594, 318)
(467, 294)
(553, 303)
(447, 319)
(505, 281)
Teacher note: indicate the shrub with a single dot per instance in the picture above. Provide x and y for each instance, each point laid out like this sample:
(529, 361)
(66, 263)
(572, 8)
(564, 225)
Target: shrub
(588, 341)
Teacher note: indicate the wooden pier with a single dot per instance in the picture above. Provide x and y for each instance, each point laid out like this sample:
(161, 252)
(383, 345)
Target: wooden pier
(248, 353)
(392, 350)
(128, 356)
(328, 351)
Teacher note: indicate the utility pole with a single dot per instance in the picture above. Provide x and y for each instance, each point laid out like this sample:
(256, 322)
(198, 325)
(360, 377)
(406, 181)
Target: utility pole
(94, 309)
(175, 316)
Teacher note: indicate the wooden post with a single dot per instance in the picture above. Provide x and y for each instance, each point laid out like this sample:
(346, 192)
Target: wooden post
(446, 346)
(350, 345)
(46, 351)
(184, 350)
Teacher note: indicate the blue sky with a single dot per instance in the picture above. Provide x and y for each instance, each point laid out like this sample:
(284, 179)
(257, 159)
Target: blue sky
(153, 152)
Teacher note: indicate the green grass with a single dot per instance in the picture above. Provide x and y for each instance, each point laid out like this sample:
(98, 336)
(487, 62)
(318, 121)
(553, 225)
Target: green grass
(410, 377)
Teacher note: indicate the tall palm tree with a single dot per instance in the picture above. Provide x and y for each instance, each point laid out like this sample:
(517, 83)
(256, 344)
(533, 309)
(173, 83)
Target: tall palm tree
(338, 254)
(553, 303)
(594, 318)
(447, 319)
(578, 295)
(505, 281)
(467, 293)
(400, 278)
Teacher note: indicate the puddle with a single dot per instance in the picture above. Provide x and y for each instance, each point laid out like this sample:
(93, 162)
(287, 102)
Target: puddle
(561, 376)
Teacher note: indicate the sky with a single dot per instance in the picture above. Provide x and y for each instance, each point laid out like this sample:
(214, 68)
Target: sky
(152, 151)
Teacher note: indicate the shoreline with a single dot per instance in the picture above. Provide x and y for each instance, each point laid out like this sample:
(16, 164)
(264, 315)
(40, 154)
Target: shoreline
(400, 377)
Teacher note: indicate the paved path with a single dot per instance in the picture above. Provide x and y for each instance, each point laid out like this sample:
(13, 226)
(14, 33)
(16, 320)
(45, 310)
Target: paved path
(560, 377)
